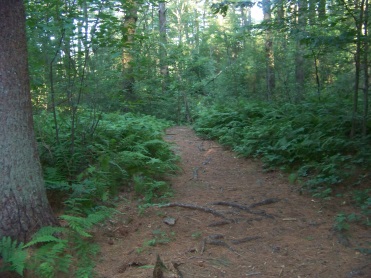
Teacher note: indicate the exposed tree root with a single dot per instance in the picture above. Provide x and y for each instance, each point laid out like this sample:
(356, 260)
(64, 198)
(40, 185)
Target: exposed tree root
(216, 240)
(265, 202)
(220, 223)
(248, 208)
(190, 206)
(245, 239)
(176, 267)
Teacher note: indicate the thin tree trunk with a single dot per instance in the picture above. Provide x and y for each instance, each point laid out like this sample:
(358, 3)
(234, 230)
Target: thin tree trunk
(365, 72)
(299, 56)
(317, 74)
(357, 61)
(163, 46)
(129, 27)
(270, 76)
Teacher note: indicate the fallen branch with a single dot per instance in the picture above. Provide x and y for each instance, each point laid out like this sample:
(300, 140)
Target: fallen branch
(190, 206)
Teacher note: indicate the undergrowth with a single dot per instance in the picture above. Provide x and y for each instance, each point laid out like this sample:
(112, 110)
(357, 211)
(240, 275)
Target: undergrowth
(310, 141)
(85, 167)
(115, 154)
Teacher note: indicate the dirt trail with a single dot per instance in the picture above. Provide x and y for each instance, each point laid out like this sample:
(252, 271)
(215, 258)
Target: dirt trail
(243, 223)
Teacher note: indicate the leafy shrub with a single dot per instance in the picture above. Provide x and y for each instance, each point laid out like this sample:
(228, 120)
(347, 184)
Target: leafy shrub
(82, 171)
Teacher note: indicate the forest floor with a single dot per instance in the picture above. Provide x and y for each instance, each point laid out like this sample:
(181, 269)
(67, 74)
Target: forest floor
(232, 219)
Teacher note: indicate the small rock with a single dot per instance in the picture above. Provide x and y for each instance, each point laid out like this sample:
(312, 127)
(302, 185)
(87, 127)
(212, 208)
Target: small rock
(169, 221)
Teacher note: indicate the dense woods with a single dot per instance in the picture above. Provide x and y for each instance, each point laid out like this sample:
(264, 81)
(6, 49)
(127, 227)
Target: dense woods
(285, 81)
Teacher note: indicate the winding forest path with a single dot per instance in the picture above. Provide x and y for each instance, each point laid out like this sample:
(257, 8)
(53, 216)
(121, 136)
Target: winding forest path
(231, 220)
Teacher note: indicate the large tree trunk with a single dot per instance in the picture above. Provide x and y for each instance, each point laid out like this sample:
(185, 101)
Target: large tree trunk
(24, 207)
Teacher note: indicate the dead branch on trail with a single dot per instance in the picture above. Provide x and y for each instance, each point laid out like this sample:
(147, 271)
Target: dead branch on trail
(244, 208)
(190, 206)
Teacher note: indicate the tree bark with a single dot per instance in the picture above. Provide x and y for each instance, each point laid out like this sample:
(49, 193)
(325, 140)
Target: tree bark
(24, 207)
(299, 55)
(359, 6)
(366, 74)
(164, 69)
(271, 82)
(129, 27)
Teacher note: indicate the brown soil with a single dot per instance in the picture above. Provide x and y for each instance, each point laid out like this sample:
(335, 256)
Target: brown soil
(262, 226)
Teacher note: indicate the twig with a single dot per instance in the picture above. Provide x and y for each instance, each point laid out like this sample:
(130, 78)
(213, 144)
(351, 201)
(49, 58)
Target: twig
(203, 245)
(253, 273)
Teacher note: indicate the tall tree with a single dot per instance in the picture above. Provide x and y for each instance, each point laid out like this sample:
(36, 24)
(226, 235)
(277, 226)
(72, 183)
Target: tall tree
(129, 27)
(359, 13)
(24, 207)
(270, 76)
(164, 69)
(301, 20)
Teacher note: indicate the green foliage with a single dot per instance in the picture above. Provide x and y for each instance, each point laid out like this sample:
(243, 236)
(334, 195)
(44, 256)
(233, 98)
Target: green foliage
(309, 139)
(66, 249)
(362, 199)
(151, 189)
(109, 151)
(12, 255)
(120, 148)
(159, 237)
(341, 223)
(56, 250)
(52, 254)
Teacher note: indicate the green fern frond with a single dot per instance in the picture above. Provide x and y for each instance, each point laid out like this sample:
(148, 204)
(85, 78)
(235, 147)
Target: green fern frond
(78, 224)
(45, 235)
(13, 255)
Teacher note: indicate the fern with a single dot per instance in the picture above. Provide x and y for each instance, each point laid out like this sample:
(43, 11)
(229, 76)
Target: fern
(66, 249)
(13, 256)
(315, 143)
(81, 225)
